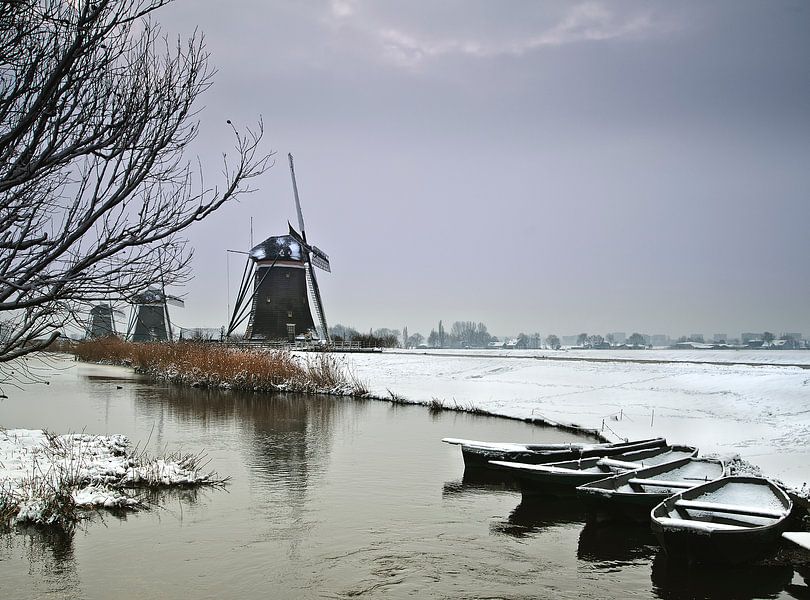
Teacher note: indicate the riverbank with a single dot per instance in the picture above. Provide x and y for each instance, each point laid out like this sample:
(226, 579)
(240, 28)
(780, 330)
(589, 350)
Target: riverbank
(759, 412)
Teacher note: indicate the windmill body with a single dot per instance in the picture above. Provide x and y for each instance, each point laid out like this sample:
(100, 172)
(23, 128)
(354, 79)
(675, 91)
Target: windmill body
(281, 299)
(102, 321)
(150, 316)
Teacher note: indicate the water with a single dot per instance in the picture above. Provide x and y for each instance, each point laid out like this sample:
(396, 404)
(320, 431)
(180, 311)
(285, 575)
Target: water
(329, 498)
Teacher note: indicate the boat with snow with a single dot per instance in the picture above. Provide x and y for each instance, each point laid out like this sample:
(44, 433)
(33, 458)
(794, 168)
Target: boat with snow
(565, 476)
(731, 520)
(633, 494)
(479, 454)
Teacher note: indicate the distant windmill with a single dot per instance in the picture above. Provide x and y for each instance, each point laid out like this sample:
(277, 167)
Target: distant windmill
(279, 294)
(101, 322)
(149, 320)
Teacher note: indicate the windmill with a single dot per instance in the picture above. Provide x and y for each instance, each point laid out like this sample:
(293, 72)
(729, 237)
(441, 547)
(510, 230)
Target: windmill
(101, 322)
(279, 293)
(149, 320)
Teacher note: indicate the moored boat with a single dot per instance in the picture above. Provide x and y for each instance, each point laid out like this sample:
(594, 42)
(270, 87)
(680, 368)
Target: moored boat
(565, 476)
(634, 494)
(732, 520)
(478, 454)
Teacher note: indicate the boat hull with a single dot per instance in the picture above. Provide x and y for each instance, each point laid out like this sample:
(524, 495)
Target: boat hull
(562, 478)
(624, 497)
(745, 526)
(479, 457)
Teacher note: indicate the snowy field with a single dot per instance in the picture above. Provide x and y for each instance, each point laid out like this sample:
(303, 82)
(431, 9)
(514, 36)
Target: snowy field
(760, 412)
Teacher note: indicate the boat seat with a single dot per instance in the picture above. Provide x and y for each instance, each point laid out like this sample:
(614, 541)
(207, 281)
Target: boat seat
(700, 526)
(751, 511)
(618, 464)
(661, 483)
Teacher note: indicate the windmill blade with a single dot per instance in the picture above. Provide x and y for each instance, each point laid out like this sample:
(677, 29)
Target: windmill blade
(316, 300)
(297, 201)
(320, 259)
(175, 301)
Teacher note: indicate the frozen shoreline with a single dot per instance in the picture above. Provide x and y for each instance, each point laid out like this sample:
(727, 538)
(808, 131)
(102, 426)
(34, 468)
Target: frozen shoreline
(759, 412)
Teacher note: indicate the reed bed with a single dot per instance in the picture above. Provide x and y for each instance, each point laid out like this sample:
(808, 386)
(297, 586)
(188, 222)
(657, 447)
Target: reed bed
(216, 366)
(65, 476)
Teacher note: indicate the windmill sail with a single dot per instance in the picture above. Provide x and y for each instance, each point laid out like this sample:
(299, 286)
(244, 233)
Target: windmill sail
(321, 260)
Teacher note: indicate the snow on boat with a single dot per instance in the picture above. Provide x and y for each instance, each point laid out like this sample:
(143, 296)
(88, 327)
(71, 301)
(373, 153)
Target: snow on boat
(731, 520)
(478, 454)
(565, 476)
(634, 493)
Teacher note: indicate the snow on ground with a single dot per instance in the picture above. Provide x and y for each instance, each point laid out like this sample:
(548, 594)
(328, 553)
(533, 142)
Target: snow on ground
(761, 412)
(41, 474)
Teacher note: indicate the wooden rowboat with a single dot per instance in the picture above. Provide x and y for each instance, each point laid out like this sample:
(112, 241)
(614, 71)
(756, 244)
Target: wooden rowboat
(730, 520)
(564, 477)
(634, 494)
(478, 454)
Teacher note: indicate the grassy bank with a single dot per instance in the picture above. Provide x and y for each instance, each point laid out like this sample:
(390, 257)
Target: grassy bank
(215, 366)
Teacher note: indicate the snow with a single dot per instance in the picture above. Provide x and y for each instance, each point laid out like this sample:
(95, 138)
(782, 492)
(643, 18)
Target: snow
(798, 537)
(759, 412)
(39, 471)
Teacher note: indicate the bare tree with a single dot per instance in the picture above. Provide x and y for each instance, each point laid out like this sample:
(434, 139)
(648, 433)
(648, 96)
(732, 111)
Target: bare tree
(96, 109)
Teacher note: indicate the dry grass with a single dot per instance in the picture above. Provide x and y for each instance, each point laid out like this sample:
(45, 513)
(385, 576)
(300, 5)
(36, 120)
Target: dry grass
(435, 405)
(215, 366)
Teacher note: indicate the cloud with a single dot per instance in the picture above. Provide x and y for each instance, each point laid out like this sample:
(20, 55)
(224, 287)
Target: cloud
(586, 22)
(342, 9)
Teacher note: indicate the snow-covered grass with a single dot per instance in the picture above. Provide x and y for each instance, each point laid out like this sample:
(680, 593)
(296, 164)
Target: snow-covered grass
(49, 479)
(761, 413)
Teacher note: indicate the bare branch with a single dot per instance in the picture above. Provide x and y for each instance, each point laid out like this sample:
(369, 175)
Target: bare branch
(97, 107)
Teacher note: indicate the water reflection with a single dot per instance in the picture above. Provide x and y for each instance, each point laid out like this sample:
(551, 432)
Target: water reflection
(50, 555)
(481, 481)
(536, 513)
(616, 543)
(286, 435)
(676, 579)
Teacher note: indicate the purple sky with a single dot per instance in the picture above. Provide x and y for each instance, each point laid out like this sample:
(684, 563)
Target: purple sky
(539, 166)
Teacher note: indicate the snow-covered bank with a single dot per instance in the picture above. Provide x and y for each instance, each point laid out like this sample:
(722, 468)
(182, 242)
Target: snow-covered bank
(760, 412)
(44, 477)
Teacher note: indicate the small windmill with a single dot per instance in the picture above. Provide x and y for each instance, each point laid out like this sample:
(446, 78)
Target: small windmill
(149, 319)
(101, 321)
(284, 295)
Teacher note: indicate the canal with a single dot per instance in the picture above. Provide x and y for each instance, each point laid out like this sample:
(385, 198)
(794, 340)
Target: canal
(328, 498)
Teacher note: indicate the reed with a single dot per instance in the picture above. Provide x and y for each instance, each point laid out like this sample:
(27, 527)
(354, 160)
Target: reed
(435, 405)
(216, 366)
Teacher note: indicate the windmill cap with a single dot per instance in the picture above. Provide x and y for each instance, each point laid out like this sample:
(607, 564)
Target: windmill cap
(279, 247)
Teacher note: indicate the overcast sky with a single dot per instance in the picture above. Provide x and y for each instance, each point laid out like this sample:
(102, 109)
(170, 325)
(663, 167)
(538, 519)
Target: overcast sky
(539, 166)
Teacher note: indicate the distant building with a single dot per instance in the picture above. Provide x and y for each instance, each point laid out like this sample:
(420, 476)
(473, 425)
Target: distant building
(720, 338)
(748, 336)
(792, 336)
(619, 337)
(659, 339)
